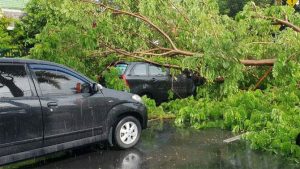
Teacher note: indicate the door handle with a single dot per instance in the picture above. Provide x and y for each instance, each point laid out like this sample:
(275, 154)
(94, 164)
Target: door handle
(52, 104)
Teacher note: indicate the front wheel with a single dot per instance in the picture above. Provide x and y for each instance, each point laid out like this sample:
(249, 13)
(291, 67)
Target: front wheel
(127, 132)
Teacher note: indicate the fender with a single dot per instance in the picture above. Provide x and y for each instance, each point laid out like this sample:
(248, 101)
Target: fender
(142, 88)
(137, 110)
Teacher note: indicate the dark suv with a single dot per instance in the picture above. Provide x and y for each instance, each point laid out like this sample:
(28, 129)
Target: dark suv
(155, 82)
(46, 107)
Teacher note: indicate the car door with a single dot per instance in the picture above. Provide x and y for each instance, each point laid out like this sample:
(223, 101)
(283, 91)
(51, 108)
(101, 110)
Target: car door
(182, 86)
(67, 109)
(138, 79)
(160, 81)
(21, 127)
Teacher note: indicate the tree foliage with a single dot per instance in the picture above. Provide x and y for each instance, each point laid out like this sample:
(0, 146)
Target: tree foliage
(184, 34)
(10, 38)
(5, 38)
(232, 7)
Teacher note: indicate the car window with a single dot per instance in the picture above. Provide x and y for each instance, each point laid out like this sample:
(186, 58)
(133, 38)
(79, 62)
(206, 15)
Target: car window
(139, 70)
(121, 67)
(56, 82)
(14, 81)
(156, 71)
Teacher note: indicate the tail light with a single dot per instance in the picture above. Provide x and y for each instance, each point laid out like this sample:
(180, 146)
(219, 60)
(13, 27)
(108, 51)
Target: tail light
(124, 78)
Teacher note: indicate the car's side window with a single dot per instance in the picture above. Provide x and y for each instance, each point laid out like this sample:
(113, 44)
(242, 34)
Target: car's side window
(139, 70)
(14, 81)
(56, 82)
(156, 71)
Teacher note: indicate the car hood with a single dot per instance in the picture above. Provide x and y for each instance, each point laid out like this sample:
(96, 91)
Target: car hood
(121, 96)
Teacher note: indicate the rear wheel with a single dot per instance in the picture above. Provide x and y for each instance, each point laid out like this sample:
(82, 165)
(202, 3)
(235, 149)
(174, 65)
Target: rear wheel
(127, 132)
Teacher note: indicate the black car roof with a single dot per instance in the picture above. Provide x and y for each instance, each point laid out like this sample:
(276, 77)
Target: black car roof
(17, 60)
(41, 62)
(30, 61)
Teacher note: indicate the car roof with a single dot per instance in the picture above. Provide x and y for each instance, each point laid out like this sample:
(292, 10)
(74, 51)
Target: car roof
(19, 60)
(29, 61)
(126, 62)
(40, 62)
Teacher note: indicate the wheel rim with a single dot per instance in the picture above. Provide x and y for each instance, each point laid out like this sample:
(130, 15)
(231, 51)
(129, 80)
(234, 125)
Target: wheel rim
(128, 132)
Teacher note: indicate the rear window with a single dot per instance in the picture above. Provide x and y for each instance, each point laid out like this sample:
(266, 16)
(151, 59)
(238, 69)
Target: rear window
(121, 67)
(156, 71)
(139, 70)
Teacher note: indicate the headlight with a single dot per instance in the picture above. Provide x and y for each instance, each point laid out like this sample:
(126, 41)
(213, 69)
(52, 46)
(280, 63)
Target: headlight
(137, 98)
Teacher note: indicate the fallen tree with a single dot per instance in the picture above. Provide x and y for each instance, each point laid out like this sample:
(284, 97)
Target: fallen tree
(249, 51)
(171, 49)
(176, 34)
(174, 50)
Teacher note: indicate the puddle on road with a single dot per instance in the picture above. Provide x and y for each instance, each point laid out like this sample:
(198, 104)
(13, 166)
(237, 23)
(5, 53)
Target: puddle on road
(167, 147)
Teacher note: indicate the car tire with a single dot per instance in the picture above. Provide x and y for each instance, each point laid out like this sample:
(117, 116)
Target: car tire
(127, 132)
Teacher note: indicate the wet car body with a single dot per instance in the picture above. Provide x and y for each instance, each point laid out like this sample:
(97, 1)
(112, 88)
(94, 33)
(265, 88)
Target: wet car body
(156, 82)
(46, 107)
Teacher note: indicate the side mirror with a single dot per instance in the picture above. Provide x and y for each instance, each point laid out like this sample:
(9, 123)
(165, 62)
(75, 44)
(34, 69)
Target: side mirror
(100, 87)
(96, 87)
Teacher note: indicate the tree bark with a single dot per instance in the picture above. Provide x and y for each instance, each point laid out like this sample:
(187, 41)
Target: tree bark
(262, 62)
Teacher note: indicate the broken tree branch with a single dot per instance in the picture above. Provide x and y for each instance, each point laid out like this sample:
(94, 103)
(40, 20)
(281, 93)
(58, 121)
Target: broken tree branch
(139, 16)
(286, 23)
(125, 53)
(262, 62)
(263, 77)
(281, 22)
(173, 50)
(132, 55)
(179, 11)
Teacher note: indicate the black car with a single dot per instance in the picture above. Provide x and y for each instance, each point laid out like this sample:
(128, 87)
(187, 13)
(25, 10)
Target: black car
(46, 107)
(156, 82)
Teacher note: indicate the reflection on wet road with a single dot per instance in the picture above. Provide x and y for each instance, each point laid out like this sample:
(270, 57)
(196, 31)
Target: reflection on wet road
(164, 146)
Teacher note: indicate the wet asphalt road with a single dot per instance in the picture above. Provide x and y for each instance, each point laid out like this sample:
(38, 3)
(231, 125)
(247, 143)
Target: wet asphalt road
(164, 146)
